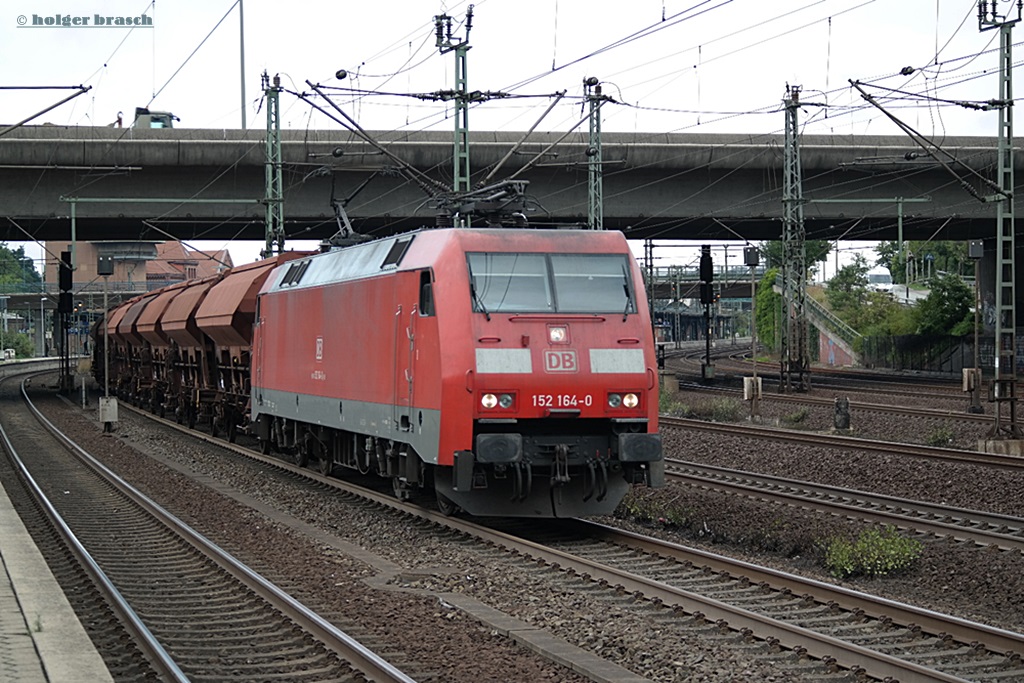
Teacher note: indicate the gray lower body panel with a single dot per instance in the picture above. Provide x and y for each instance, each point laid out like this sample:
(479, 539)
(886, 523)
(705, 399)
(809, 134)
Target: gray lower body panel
(420, 427)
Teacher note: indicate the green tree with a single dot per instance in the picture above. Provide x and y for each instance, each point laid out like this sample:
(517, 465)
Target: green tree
(947, 308)
(848, 287)
(15, 267)
(767, 310)
(881, 315)
(815, 250)
(947, 256)
(21, 343)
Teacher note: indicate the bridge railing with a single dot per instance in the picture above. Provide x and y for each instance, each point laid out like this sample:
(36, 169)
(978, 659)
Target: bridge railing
(94, 287)
(825, 317)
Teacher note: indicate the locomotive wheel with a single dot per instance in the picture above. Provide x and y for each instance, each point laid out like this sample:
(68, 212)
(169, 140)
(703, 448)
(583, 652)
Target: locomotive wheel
(446, 506)
(265, 446)
(401, 489)
(232, 432)
(326, 465)
(215, 427)
(300, 458)
(191, 420)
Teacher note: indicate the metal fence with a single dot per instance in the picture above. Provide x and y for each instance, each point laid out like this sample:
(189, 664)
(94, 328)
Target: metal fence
(944, 354)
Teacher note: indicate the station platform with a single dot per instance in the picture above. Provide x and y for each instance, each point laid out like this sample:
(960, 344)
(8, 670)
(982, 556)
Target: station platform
(41, 638)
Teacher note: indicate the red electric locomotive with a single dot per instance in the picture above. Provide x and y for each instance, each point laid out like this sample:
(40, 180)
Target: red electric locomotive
(512, 371)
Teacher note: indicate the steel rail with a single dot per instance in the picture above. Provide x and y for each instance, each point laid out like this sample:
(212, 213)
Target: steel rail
(818, 645)
(360, 657)
(158, 657)
(916, 515)
(854, 443)
(996, 639)
(856, 405)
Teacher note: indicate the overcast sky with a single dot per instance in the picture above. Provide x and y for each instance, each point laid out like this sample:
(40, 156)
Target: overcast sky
(689, 66)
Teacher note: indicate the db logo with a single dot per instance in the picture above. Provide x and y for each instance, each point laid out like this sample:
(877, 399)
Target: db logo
(560, 361)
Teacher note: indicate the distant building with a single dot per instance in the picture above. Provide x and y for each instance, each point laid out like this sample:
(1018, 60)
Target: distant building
(175, 262)
(138, 266)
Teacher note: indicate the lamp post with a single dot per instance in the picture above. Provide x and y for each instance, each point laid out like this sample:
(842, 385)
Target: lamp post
(750, 258)
(41, 328)
(3, 327)
(972, 377)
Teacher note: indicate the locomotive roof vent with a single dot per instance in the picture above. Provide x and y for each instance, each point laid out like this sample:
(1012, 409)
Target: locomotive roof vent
(295, 273)
(396, 253)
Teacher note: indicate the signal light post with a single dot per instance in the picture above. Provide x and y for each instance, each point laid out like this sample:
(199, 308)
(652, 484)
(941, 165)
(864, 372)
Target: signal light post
(707, 297)
(750, 258)
(108, 405)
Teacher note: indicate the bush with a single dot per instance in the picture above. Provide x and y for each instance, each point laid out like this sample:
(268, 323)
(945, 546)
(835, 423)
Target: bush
(796, 417)
(876, 552)
(21, 343)
(672, 406)
(641, 505)
(940, 436)
(719, 410)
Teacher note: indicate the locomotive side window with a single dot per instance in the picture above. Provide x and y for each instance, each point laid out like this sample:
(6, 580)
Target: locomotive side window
(592, 283)
(549, 283)
(510, 283)
(426, 294)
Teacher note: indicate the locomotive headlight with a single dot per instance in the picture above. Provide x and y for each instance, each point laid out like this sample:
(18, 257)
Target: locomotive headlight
(630, 400)
(489, 401)
(614, 400)
(557, 334)
(505, 400)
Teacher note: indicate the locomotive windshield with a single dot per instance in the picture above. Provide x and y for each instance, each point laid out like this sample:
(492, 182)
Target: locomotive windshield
(550, 283)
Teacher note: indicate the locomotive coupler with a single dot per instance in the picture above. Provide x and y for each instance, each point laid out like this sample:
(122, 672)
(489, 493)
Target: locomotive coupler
(560, 466)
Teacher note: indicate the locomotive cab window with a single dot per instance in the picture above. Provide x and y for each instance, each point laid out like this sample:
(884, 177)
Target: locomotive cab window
(510, 283)
(550, 283)
(592, 283)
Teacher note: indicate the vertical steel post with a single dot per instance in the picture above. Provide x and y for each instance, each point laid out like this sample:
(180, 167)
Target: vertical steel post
(1004, 381)
(274, 190)
(595, 194)
(241, 60)
(649, 272)
(461, 97)
(976, 250)
(795, 366)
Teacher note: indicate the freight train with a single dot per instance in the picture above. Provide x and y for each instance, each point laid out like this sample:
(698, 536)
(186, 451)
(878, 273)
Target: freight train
(511, 372)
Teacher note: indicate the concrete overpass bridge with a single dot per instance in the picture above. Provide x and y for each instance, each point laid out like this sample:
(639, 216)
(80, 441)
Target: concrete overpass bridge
(662, 186)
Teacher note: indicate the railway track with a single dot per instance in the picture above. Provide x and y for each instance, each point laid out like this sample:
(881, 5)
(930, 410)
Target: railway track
(848, 442)
(805, 399)
(731, 365)
(198, 613)
(868, 635)
(686, 591)
(928, 519)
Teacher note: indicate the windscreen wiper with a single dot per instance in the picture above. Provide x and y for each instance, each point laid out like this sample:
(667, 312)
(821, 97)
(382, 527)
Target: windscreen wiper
(476, 297)
(629, 293)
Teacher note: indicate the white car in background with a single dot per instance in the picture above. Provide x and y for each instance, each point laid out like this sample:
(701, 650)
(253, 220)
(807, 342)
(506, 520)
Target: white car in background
(880, 280)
